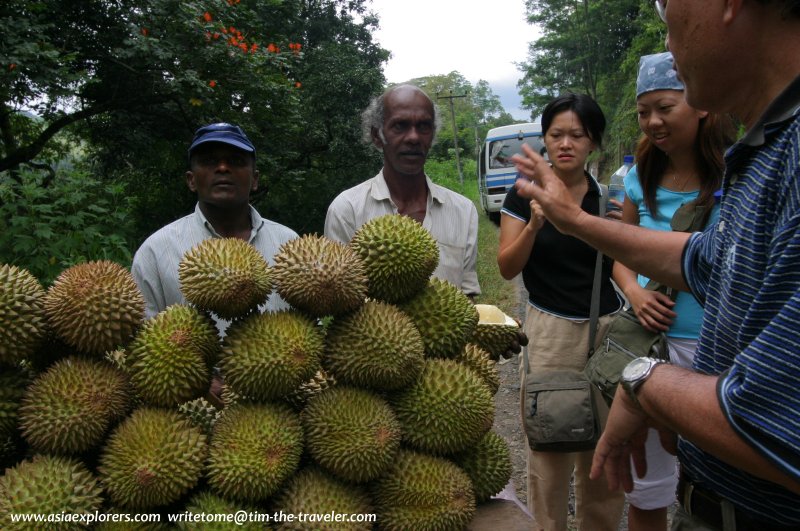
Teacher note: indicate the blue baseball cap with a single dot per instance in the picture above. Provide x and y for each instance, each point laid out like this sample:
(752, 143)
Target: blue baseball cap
(657, 72)
(225, 133)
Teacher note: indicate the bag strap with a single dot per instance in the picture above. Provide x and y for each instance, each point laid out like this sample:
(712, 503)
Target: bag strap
(594, 308)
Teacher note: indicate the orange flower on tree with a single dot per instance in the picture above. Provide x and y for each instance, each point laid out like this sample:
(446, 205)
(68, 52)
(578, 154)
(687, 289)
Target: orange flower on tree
(271, 48)
(12, 66)
(253, 47)
(212, 83)
(297, 84)
(144, 31)
(207, 17)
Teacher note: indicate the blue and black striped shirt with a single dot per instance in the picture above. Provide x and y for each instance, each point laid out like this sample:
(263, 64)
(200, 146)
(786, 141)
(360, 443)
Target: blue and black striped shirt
(746, 270)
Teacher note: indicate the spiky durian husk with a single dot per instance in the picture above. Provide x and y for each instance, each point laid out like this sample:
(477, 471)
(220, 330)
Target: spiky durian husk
(13, 382)
(423, 492)
(446, 410)
(227, 276)
(313, 491)
(151, 459)
(351, 432)
(307, 390)
(399, 255)
(95, 306)
(495, 332)
(210, 504)
(320, 276)
(444, 316)
(481, 362)
(48, 485)
(254, 449)
(267, 356)
(169, 360)
(200, 413)
(69, 408)
(22, 317)
(488, 464)
(376, 347)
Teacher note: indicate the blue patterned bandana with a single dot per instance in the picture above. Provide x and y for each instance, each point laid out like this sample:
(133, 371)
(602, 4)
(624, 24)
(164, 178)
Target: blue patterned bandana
(657, 72)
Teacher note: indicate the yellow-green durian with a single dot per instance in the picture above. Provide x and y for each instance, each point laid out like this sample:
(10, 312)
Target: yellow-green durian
(488, 464)
(376, 347)
(22, 317)
(444, 316)
(95, 306)
(214, 506)
(481, 362)
(69, 408)
(320, 276)
(267, 356)
(227, 276)
(351, 432)
(254, 449)
(152, 459)
(495, 330)
(399, 255)
(170, 359)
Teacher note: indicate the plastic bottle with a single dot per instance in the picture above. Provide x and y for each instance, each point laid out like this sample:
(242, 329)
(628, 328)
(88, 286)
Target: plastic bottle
(616, 186)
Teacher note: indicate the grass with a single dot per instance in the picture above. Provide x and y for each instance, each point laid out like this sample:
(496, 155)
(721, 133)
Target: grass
(494, 288)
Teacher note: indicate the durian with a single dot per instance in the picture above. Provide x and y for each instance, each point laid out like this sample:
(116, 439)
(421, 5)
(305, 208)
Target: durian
(48, 485)
(351, 432)
(399, 256)
(13, 382)
(200, 413)
(495, 331)
(69, 408)
(376, 347)
(479, 361)
(212, 506)
(170, 359)
(488, 464)
(267, 356)
(315, 492)
(254, 449)
(320, 276)
(22, 315)
(95, 306)
(444, 316)
(423, 493)
(151, 459)
(227, 276)
(307, 390)
(448, 409)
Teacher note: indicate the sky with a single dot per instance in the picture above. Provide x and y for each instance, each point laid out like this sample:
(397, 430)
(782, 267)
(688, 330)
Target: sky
(480, 40)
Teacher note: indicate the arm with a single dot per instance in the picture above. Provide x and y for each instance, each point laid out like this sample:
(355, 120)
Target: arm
(652, 308)
(516, 241)
(686, 403)
(145, 272)
(656, 254)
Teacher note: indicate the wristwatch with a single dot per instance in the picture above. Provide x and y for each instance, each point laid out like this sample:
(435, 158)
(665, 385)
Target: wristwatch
(636, 373)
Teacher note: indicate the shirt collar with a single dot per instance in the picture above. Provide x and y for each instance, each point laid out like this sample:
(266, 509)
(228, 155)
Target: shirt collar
(256, 221)
(782, 108)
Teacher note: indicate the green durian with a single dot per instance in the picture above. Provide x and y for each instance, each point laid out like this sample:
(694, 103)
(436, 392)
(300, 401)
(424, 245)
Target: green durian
(267, 356)
(495, 330)
(351, 433)
(448, 409)
(151, 459)
(444, 316)
(488, 464)
(227, 276)
(376, 347)
(23, 324)
(69, 408)
(315, 492)
(399, 255)
(254, 449)
(95, 306)
(48, 485)
(320, 276)
(423, 493)
(170, 359)
(480, 361)
(213, 506)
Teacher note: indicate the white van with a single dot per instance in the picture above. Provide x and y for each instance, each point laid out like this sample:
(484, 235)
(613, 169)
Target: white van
(496, 173)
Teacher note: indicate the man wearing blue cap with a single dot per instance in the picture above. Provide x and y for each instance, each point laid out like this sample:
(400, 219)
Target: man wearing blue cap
(222, 172)
(736, 413)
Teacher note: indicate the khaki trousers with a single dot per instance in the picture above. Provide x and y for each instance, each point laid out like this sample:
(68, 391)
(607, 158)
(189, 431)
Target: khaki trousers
(557, 343)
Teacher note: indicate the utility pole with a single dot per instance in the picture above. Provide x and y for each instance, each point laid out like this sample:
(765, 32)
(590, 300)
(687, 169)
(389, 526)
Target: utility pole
(455, 131)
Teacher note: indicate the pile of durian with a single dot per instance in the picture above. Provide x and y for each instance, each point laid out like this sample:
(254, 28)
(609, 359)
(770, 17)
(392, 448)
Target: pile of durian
(372, 393)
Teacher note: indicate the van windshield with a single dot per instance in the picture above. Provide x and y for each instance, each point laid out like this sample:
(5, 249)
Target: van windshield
(502, 150)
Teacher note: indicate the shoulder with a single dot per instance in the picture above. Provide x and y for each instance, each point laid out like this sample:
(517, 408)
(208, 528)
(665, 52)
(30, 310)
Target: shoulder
(280, 232)
(174, 232)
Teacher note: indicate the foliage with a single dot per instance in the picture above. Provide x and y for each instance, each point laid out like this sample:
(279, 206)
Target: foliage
(75, 219)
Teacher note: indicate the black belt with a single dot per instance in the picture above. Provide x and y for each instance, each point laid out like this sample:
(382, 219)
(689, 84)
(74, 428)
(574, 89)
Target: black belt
(710, 508)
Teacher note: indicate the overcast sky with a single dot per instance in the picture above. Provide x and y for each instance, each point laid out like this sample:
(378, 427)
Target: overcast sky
(480, 40)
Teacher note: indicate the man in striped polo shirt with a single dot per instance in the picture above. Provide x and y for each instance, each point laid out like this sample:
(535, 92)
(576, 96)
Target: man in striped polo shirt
(737, 413)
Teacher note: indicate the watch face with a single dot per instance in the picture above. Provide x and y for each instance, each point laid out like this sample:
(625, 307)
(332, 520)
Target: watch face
(636, 369)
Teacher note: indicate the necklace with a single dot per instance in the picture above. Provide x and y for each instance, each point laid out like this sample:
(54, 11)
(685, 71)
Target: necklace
(683, 184)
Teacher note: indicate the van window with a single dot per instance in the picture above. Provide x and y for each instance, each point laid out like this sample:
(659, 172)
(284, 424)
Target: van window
(502, 150)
